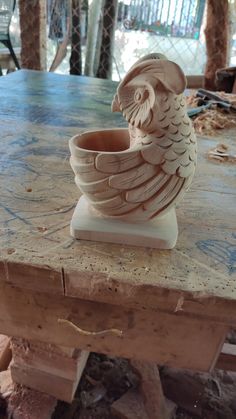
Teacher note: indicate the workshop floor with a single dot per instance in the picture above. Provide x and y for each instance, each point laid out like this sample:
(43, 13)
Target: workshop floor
(107, 379)
(197, 396)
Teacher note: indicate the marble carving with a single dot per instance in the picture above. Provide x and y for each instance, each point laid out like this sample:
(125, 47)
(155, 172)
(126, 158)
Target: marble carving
(133, 178)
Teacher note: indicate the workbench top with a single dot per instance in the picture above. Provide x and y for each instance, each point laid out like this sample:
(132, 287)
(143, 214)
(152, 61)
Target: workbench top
(39, 112)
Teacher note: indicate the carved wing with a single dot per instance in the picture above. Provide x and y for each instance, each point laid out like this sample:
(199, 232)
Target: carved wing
(138, 183)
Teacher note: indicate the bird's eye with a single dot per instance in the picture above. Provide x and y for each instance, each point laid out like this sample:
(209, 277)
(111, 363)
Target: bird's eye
(138, 96)
(141, 95)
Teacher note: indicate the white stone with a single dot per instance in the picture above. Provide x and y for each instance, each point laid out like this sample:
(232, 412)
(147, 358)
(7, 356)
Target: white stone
(159, 233)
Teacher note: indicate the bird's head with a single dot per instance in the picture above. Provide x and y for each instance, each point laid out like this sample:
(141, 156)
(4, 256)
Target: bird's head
(140, 93)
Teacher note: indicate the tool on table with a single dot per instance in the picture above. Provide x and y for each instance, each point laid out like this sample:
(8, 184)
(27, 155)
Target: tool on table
(198, 109)
(209, 97)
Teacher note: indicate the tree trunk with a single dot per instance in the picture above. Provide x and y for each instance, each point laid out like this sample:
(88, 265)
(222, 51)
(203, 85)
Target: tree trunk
(216, 33)
(33, 34)
(109, 21)
(76, 58)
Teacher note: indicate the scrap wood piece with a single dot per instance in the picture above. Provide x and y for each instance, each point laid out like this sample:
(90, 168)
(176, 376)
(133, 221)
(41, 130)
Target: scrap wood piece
(45, 358)
(47, 370)
(5, 352)
(129, 406)
(155, 403)
(221, 154)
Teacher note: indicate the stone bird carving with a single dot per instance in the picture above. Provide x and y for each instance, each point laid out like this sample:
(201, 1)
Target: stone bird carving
(142, 172)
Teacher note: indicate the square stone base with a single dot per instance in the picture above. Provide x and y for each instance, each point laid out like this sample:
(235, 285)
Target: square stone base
(159, 233)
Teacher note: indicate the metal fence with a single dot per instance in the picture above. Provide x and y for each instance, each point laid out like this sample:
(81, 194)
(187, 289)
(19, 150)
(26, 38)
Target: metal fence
(103, 38)
(111, 35)
(178, 18)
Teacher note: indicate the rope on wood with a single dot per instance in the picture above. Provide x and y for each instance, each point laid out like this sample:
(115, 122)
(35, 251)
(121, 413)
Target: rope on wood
(89, 333)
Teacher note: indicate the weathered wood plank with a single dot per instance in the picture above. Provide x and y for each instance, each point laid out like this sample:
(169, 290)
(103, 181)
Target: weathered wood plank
(43, 368)
(39, 278)
(58, 387)
(46, 358)
(166, 339)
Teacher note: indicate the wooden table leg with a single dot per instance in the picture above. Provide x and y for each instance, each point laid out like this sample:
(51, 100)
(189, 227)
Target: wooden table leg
(151, 388)
(51, 369)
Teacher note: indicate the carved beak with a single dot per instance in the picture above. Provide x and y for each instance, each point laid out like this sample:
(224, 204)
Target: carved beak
(115, 107)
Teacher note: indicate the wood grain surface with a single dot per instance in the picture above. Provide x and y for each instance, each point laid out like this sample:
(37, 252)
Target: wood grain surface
(39, 112)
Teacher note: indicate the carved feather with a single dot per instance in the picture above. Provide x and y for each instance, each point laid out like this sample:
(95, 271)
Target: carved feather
(152, 175)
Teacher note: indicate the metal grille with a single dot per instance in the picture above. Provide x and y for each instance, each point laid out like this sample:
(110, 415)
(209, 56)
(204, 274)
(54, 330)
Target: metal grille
(103, 38)
(179, 18)
(174, 28)
(6, 11)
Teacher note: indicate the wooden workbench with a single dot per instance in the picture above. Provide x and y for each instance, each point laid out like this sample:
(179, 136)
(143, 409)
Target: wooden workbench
(173, 307)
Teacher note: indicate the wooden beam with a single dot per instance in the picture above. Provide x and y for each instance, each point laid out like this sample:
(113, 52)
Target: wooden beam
(151, 389)
(152, 336)
(33, 34)
(216, 35)
(45, 368)
(39, 278)
(112, 288)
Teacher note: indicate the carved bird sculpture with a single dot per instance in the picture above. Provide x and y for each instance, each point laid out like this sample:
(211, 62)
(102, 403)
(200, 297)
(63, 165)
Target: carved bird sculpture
(140, 173)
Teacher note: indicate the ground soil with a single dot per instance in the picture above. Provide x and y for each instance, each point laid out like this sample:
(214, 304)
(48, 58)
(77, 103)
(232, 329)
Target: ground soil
(106, 379)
